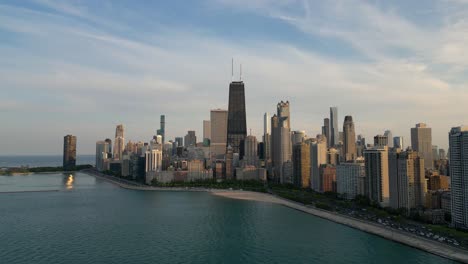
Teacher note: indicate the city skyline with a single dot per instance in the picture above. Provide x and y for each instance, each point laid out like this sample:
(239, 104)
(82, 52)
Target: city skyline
(102, 72)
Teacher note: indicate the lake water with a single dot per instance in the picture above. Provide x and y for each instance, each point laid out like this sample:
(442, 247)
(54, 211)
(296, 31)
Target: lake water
(87, 220)
(42, 161)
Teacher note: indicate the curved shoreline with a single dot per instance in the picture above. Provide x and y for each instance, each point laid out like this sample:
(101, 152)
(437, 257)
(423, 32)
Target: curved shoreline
(411, 240)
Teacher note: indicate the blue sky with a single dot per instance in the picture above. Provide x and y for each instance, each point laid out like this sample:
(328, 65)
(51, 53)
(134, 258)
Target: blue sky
(82, 67)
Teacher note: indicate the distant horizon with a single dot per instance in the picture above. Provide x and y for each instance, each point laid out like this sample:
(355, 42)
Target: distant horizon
(83, 67)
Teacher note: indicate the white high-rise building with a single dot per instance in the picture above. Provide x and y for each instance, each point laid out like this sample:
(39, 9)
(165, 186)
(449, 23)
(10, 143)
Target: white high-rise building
(266, 124)
(347, 178)
(458, 150)
(318, 156)
(281, 147)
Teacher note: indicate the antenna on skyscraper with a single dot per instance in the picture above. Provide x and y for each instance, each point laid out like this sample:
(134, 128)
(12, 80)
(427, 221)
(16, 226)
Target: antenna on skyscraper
(240, 75)
(232, 69)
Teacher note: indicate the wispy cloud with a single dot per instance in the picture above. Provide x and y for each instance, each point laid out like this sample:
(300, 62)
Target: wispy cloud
(400, 74)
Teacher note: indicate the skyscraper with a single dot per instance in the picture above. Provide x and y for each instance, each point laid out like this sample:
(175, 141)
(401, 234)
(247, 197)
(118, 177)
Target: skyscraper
(266, 138)
(377, 181)
(69, 152)
(458, 150)
(102, 151)
(347, 178)
(281, 142)
(190, 139)
(318, 157)
(349, 139)
(218, 118)
(326, 130)
(298, 136)
(406, 179)
(301, 165)
(119, 142)
(162, 130)
(421, 141)
(251, 156)
(334, 134)
(398, 142)
(380, 141)
(206, 130)
(237, 122)
(389, 136)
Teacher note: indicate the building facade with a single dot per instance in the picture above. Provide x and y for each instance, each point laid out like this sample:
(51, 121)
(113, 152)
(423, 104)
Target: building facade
(349, 139)
(237, 122)
(69, 152)
(377, 175)
(458, 150)
(421, 141)
(301, 165)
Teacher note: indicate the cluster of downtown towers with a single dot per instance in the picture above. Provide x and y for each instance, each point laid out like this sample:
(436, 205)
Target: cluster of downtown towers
(333, 161)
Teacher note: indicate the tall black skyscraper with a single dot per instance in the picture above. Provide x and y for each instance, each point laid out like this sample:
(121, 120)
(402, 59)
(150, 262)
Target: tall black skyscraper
(237, 123)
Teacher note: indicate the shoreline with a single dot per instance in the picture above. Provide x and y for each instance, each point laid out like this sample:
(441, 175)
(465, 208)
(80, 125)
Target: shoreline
(397, 236)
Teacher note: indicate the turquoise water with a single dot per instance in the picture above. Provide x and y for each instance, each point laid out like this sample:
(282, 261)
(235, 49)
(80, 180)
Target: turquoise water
(91, 221)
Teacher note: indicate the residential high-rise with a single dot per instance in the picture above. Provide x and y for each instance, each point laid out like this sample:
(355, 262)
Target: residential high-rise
(398, 142)
(179, 142)
(318, 157)
(190, 139)
(406, 179)
(281, 142)
(442, 154)
(348, 176)
(380, 141)
(389, 136)
(435, 153)
(458, 150)
(218, 118)
(162, 130)
(266, 138)
(349, 139)
(102, 151)
(298, 136)
(360, 146)
(206, 130)
(69, 152)
(251, 155)
(301, 165)
(236, 122)
(326, 130)
(421, 141)
(334, 132)
(377, 181)
(119, 142)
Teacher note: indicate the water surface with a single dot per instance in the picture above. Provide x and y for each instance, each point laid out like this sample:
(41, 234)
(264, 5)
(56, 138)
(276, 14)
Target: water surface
(91, 221)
